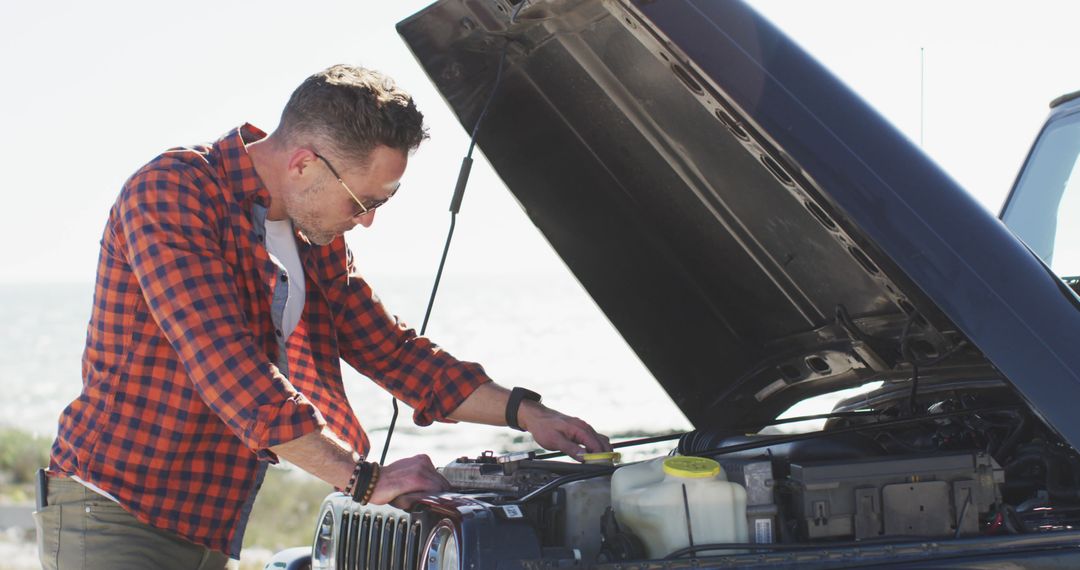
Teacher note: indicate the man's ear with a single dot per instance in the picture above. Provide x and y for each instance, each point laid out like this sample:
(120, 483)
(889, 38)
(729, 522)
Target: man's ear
(300, 160)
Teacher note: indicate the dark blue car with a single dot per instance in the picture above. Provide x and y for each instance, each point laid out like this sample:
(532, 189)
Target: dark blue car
(759, 235)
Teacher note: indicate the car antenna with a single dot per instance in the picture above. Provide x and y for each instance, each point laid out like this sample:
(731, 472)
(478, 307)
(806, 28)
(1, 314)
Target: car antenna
(455, 207)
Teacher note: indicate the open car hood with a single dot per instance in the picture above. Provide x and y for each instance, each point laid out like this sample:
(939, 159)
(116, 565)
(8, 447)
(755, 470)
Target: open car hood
(755, 231)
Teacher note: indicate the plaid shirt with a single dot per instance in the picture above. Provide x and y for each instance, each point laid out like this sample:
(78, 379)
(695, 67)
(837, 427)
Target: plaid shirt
(186, 379)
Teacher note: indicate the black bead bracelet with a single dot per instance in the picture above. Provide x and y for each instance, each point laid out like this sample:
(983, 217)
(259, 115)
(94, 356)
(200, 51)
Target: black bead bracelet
(362, 482)
(359, 481)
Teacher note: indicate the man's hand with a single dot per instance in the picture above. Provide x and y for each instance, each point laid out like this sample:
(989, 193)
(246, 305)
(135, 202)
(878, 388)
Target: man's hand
(410, 475)
(557, 431)
(324, 455)
(551, 429)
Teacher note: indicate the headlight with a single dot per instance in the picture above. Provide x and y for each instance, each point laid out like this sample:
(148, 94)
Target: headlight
(322, 552)
(442, 548)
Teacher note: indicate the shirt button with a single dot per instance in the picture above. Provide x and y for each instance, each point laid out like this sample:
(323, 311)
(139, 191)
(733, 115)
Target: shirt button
(284, 277)
(278, 332)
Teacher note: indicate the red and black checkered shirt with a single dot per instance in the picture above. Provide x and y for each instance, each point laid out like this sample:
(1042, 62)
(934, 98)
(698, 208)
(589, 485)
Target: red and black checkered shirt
(185, 386)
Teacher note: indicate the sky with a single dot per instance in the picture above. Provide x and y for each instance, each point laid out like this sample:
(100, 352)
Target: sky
(92, 90)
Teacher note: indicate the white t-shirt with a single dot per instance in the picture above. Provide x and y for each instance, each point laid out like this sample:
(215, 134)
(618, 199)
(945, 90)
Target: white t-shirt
(281, 243)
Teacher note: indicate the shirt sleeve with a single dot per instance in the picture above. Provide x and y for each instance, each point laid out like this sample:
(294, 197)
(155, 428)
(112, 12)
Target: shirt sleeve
(378, 345)
(173, 245)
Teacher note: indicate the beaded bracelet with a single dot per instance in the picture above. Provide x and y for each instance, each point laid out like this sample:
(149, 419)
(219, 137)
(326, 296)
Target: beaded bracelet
(371, 486)
(360, 480)
(352, 479)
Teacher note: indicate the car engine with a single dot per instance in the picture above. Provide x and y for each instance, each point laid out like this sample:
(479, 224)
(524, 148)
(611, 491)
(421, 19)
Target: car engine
(965, 468)
(956, 470)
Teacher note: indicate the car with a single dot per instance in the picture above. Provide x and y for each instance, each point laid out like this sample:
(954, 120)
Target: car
(759, 235)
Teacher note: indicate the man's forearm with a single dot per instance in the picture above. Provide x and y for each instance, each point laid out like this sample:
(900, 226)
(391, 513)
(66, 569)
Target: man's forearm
(322, 454)
(487, 405)
(550, 428)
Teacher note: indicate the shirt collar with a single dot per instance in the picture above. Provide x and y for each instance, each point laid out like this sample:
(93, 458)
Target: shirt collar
(237, 167)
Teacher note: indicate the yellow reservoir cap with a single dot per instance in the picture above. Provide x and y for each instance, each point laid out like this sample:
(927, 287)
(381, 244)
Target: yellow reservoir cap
(602, 457)
(691, 467)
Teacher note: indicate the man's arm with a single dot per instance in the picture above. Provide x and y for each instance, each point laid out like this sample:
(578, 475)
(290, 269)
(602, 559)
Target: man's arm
(326, 456)
(322, 454)
(550, 429)
(431, 381)
(378, 345)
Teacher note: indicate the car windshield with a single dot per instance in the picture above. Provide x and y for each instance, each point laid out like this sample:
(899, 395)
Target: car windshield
(1044, 208)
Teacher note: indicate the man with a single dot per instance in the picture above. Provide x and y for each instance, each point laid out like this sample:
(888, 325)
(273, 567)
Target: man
(225, 299)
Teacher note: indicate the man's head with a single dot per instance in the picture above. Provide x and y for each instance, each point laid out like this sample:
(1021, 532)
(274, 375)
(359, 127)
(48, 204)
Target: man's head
(346, 134)
(353, 110)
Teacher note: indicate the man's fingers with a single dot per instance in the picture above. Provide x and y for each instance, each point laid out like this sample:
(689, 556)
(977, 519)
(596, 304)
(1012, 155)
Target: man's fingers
(565, 442)
(406, 501)
(412, 475)
(442, 482)
(587, 437)
(599, 442)
(590, 438)
(575, 452)
(568, 434)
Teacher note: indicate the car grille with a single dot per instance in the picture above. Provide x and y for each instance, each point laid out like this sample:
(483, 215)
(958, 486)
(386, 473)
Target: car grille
(378, 541)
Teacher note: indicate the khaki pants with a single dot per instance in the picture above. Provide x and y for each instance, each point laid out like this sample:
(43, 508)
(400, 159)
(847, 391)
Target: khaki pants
(81, 530)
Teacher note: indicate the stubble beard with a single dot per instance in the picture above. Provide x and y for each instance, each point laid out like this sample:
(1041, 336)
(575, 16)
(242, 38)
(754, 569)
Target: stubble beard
(304, 220)
(318, 238)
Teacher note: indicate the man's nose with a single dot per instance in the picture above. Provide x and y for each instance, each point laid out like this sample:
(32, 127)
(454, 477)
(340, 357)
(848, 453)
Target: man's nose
(366, 219)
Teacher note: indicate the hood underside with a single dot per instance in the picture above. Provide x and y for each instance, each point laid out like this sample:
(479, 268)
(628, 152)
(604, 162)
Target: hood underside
(755, 231)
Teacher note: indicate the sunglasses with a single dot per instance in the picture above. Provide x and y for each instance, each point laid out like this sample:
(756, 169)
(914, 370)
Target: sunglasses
(364, 208)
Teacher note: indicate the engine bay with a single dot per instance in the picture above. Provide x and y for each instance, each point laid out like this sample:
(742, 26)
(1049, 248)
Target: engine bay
(965, 466)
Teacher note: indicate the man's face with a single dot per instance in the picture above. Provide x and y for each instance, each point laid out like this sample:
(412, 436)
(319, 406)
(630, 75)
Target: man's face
(323, 208)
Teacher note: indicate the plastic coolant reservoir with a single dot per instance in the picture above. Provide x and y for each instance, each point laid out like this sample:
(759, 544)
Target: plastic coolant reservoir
(649, 501)
(585, 503)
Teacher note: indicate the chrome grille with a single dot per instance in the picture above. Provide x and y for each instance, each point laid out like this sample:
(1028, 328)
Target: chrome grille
(378, 541)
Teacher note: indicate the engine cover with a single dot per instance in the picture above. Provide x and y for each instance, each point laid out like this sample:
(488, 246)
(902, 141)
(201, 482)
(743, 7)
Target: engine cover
(916, 495)
(507, 474)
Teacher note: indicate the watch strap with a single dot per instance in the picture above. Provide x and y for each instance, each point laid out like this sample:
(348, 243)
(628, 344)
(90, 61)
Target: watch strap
(514, 404)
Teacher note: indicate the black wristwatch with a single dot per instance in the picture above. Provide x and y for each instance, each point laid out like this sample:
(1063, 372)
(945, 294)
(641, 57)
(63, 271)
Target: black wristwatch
(514, 403)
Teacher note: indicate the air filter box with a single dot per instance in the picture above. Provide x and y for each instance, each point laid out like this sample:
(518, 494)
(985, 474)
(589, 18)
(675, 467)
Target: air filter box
(912, 495)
